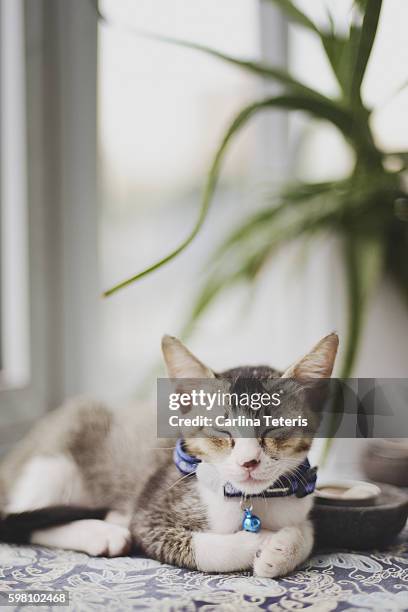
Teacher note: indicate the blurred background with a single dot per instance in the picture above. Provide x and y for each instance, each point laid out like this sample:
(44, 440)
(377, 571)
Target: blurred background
(106, 138)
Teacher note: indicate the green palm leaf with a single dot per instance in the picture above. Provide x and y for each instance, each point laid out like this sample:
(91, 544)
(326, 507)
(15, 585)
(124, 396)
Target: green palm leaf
(337, 48)
(292, 196)
(247, 249)
(209, 189)
(337, 51)
(348, 56)
(364, 45)
(321, 109)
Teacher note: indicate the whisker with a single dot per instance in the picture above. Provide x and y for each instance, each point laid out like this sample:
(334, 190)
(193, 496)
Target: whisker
(180, 479)
(264, 499)
(299, 474)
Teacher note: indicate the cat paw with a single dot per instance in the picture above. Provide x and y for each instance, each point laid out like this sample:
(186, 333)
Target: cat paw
(280, 555)
(118, 518)
(107, 540)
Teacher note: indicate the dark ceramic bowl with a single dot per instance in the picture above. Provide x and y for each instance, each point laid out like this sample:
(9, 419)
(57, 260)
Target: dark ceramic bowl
(364, 527)
(327, 492)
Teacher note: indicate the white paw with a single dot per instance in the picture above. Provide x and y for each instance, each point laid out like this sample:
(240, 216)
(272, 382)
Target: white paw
(280, 555)
(101, 539)
(118, 518)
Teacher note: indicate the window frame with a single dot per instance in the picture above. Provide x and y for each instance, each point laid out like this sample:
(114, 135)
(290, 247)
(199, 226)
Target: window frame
(14, 392)
(60, 118)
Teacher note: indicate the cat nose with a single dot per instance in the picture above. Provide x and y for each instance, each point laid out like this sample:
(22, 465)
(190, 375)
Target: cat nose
(250, 464)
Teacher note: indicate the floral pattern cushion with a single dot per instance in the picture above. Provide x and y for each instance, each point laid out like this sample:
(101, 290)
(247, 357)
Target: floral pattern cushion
(328, 581)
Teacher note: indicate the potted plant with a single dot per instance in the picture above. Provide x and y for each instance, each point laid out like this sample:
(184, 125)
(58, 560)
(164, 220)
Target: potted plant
(367, 209)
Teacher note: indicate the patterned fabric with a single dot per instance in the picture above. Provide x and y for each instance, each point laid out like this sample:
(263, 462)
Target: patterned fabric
(338, 581)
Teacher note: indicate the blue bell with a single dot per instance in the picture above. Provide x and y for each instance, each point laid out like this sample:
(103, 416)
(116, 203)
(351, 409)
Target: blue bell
(251, 522)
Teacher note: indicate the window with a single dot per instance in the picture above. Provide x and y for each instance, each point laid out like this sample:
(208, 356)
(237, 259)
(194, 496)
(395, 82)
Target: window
(48, 137)
(162, 112)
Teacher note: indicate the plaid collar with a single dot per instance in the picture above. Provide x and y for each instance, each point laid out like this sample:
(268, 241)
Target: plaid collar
(300, 484)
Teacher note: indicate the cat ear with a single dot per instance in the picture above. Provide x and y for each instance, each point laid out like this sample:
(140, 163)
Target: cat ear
(318, 363)
(180, 362)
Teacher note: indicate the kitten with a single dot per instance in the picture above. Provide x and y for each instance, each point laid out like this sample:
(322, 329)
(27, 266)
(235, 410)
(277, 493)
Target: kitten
(99, 481)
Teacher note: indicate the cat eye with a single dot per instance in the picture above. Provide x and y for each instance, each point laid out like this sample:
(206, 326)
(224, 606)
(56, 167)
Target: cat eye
(276, 433)
(223, 432)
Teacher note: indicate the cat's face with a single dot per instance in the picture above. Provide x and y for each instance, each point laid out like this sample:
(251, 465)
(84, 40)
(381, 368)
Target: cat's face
(256, 460)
